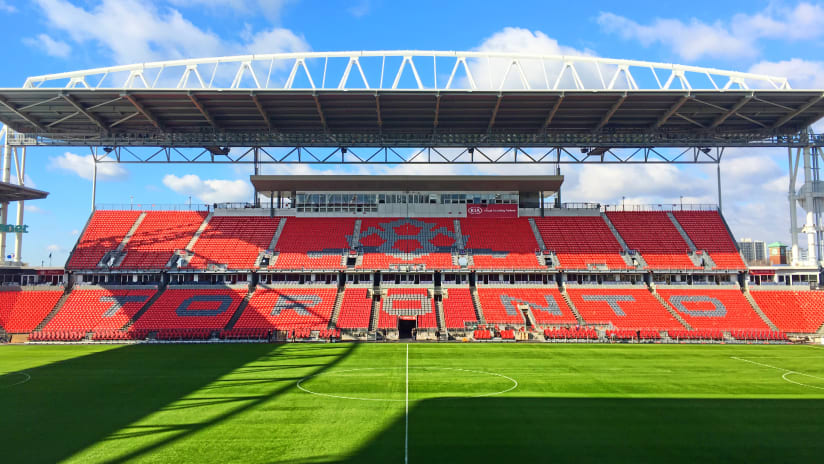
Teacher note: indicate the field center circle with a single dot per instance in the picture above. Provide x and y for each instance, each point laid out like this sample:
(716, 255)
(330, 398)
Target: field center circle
(13, 379)
(301, 384)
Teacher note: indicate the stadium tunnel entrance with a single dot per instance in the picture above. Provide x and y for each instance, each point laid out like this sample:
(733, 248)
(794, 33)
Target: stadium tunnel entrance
(407, 328)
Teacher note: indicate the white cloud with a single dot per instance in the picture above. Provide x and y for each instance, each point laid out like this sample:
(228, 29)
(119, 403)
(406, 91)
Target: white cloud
(209, 190)
(33, 209)
(802, 74)
(54, 247)
(83, 166)
(132, 31)
(359, 9)
(52, 47)
(736, 38)
(6, 7)
(75, 232)
(269, 8)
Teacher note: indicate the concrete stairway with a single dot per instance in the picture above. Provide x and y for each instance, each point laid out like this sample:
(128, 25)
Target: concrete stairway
(458, 235)
(681, 231)
(537, 234)
(440, 317)
(54, 311)
(615, 233)
(191, 245)
(373, 318)
(355, 234)
(758, 310)
(476, 303)
(669, 309)
(333, 320)
(240, 308)
(131, 232)
(572, 307)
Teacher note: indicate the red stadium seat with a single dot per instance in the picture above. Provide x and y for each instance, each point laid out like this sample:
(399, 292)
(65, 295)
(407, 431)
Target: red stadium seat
(458, 308)
(289, 308)
(624, 308)
(713, 309)
(581, 241)
(158, 236)
(654, 235)
(233, 241)
(313, 243)
(792, 311)
(707, 231)
(388, 241)
(104, 232)
(22, 310)
(500, 243)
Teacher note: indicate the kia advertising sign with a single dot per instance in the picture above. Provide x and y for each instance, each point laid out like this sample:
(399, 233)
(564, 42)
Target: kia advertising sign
(492, 211)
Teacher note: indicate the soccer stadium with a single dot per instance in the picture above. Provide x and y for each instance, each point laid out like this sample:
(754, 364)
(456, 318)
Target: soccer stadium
(410, 318)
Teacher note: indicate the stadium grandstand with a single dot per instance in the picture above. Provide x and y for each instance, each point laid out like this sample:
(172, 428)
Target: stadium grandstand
(353, 257)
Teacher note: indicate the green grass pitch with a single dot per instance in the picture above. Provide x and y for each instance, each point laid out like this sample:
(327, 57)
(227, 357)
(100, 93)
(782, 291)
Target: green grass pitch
(466, 403)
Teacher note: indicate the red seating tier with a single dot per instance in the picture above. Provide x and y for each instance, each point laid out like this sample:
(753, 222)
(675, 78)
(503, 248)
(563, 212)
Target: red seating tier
(655, 236)
(641, 310)
(579, 333)
(792, 311)
(209, 308)
(407, 241)
(158, 236)
(407, 302)
(355, 310)
(458, 308)
(544, 303)
(702, 314)
(707, 231)
(512, 239)
(21, 311)
(325, 238)
(98, 310)
(580, 241)
(634, 334)
(104, 232)
(289, 308)
(234, 241)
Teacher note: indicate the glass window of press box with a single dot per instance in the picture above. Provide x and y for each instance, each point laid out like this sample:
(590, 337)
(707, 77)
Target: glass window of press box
(366, 202)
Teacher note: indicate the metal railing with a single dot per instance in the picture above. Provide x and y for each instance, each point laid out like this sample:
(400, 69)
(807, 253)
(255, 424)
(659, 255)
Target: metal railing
(151, 207)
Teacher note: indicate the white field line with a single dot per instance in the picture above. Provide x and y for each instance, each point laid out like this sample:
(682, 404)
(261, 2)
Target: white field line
(406, 434)
(26, 378)
(786, 373)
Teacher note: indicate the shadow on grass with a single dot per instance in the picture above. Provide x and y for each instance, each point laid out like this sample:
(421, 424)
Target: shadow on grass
(73, 404)
(603, 430)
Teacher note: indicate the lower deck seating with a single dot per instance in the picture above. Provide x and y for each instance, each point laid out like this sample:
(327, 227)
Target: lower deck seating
(22, 310)
(355, 310)
(714, 309)
(191, 308)
(407, 303)
(99, 309)
(759, 335)
(792, 311)
(458, 309)
(633, 334)
(579, 333)
(482, 334)
(503, 305)
(700, 334)
(632, 309)
(245, 334)
(57, 336)
(289, 308)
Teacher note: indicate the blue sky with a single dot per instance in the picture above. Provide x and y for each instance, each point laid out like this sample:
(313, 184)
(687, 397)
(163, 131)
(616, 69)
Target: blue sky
(48, 36)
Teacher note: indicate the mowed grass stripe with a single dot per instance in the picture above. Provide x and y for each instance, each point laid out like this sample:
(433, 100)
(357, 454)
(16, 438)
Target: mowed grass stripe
(573, 403)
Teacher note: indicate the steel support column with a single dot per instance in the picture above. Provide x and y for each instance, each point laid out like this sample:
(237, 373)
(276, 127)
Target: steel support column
(94, 178)
(792, 197)
(6, 177)
(718, 175)
(18, 239)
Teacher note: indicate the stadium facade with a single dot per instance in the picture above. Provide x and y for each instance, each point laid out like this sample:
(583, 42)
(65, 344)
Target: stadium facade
(389, 257)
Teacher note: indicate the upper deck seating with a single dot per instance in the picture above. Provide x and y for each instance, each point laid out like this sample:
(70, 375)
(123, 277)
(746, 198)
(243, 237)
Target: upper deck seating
(22, 310)
(458, 308)
(192, 308)
(792, 311)
(105, 231)
(233, 241)
(713, 309)
(624, 308)
(500, 243)
(655, 236)
(98, 309)
(158, 236)
(313, 243)
(707, 231)
(355, 310)
(581, 241)
(407, 302)
(289, 308)
(502, 305)
(427, 241)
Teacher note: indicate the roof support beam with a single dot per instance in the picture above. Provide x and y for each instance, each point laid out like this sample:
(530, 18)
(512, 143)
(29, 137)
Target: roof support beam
(320, 112)
(142, 110)
(437, 109)
(671, 111)
(690, 120)
(611, 112)
(93, 118)
(20, 115)
(720, 119)
(378, 110)
(203, 111)
(495, 112)
(788, 117)
(553, 111)
(262, 111)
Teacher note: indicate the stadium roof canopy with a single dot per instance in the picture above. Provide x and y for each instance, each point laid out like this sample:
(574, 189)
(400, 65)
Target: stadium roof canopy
(267, 183)
(13, 192)
(409, 99)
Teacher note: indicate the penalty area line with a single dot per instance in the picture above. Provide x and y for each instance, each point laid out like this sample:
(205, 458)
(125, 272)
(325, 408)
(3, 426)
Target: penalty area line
(786, 373)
